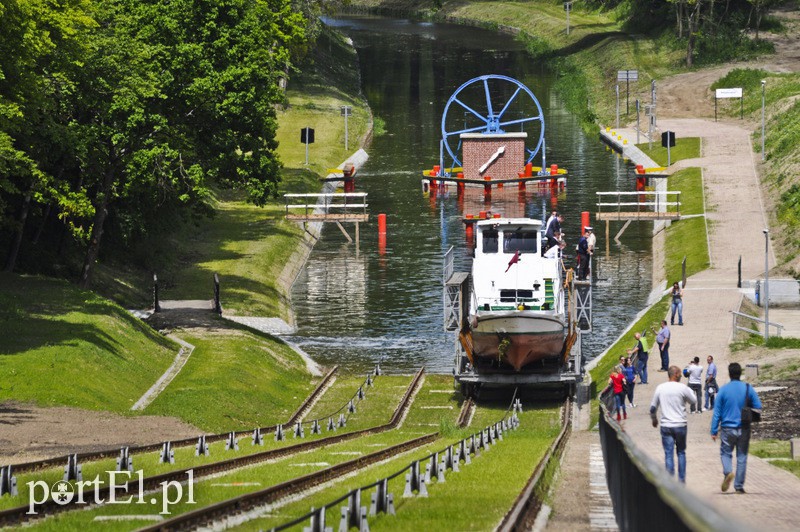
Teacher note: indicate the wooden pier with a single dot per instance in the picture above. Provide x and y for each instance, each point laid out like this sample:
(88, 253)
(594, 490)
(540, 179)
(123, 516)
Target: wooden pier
(335, 208)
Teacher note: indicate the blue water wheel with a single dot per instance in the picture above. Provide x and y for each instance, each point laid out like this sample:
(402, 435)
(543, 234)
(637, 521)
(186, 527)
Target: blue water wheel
(492, 104)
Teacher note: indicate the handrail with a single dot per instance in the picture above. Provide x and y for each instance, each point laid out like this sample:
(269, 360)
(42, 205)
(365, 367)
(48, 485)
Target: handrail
(737, 327)
(661, 502)
(627, 193)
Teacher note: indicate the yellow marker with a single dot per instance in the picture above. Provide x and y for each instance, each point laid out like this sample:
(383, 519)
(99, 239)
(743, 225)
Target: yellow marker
(625, 141)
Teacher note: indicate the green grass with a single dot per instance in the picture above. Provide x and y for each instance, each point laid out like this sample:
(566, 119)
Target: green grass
(778, 450)
(686, 238)
(685, 148)
(235, 379)
(65, 346)
(650, 320)
(690, 183)
(490, 483)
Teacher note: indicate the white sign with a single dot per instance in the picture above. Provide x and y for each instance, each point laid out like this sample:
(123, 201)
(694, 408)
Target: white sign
(729, 93)
(627, 75)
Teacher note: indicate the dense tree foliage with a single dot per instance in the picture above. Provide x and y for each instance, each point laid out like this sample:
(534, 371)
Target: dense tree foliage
(115, 112)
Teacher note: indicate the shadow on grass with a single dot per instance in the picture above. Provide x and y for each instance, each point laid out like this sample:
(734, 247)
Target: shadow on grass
(36, 333)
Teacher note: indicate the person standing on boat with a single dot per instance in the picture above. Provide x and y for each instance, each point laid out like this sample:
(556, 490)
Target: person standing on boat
(677, 304)
(553, 231)
(583, 258)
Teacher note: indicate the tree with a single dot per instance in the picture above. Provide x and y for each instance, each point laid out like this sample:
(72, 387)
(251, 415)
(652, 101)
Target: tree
(40, 42)
(177, 94)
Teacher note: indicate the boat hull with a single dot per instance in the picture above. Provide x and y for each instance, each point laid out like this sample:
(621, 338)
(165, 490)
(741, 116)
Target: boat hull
(527, 339)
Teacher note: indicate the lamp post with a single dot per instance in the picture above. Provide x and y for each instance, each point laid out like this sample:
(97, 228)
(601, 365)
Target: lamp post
(763, 93)
(346, 111)
(766, 284)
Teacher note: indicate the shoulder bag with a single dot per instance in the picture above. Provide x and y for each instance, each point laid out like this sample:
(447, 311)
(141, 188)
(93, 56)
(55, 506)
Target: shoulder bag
(749, 414)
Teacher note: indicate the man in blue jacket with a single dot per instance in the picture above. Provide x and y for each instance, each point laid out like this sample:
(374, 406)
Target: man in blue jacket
(727, 421)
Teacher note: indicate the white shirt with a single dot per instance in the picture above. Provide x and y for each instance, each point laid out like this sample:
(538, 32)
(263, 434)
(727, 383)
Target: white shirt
(672, 397)
(552, 252)
(591, 240)
(695, 374)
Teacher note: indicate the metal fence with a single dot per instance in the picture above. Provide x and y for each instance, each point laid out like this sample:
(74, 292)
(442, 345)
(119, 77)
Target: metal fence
(737, 327)
(644, 495)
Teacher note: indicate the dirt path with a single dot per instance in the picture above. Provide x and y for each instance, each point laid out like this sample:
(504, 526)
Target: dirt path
(32, 433)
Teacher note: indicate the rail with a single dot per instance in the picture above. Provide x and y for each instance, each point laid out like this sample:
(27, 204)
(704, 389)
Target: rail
(59, 461)
(21, 514)
(644, 496)
(451, 456)
(656, 209)
(327, 202)
(737, 327)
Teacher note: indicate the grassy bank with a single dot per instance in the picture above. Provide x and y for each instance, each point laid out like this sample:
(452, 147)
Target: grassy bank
(235, 379)
(65, 346)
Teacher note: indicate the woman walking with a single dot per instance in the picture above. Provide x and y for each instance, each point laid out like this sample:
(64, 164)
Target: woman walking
(617, 380)
(677, 304)
(630, 375)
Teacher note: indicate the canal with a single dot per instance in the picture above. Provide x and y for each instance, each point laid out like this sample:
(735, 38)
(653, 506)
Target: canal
(355, 306)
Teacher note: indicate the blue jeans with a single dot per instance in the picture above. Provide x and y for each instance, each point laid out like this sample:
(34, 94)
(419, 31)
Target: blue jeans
(710, 399)
(619, 398)
(674, 437)
(664, 349)
(642, 370)
(730, 438)
(677, 308)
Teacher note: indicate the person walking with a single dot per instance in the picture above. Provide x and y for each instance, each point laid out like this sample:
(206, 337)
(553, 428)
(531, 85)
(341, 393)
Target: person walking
(630, 380)
(677, 304)
(711, 383)
(662, 339)
(671, 397)
(639, 353)
(695, 373)
(727, 423)
(617, 380)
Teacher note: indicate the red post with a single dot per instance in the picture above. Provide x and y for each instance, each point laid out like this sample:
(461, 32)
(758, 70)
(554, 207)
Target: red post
(553, 169)
(381, 224)
(584, 222)
(487, 188)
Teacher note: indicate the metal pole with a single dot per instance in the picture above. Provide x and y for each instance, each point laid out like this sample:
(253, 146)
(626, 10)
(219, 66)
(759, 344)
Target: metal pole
(637, 122)
(763, 93)
(567, 6)
(766, 284)
(306, 147)
(617, 89)
(653, 93)
(627, 95)
(345, 129)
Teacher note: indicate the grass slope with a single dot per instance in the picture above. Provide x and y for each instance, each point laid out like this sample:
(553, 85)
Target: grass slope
(65, 346)
(235, 379)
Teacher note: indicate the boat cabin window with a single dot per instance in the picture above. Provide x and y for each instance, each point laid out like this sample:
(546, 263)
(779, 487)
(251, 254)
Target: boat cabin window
(510, 296)
(522, 241)
(490, 241)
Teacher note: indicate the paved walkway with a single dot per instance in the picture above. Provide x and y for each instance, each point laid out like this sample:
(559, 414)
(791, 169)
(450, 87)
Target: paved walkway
(736, 220)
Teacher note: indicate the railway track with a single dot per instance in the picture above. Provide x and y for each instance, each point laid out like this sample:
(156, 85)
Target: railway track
(21, 514)
(210, 514)
(91, 456)
(465, 416)
(526, 507)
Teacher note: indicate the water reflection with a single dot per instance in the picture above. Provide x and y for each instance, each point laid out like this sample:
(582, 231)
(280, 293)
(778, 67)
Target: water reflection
(354, 307)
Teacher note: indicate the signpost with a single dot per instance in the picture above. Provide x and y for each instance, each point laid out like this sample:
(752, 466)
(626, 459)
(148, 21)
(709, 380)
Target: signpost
(668, 141)
(307, 137)
(346, 111)
(627, 76)
(729, 93)
(567, 8)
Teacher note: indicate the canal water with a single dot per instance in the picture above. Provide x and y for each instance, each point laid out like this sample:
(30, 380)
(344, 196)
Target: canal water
(358, 305)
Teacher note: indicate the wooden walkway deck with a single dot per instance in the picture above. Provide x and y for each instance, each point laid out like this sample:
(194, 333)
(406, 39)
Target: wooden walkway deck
(645, 216)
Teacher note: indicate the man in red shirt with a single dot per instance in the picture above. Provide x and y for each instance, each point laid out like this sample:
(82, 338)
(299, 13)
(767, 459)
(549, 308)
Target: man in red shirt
(617, 380)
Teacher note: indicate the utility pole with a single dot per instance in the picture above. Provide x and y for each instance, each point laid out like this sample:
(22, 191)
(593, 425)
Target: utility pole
(763, 94)
(346, 111)
(567, 8)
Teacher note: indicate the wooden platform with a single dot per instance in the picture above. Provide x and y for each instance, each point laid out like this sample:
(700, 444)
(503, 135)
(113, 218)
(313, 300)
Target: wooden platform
(328, 217)
(645, 215)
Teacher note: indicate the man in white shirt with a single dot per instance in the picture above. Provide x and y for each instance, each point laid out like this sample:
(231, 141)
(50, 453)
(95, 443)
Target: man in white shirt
(695, 374)
(672, 397)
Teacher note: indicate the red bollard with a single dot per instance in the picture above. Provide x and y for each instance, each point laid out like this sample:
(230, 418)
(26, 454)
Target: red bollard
(487, 188)
(529, 170)
(381, 224)
(553, 169)
(584, 222)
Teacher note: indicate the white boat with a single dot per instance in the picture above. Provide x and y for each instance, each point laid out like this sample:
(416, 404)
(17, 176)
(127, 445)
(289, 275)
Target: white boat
(517, 310)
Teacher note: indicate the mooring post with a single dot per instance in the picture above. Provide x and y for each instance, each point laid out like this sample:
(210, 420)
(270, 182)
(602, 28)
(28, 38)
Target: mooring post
(156, 305)
(217, 304)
